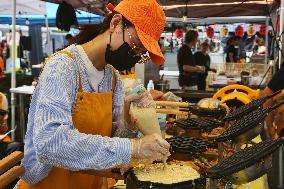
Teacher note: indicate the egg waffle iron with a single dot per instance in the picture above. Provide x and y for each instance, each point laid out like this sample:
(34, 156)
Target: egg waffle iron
(133, 183)
(246, 109)
(219, 112)
(198, 124)
(190, 145)
(244, 159)
(247, 123)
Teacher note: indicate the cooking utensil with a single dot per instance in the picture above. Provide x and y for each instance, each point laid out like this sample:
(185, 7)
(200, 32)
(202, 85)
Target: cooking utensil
(247, 123)
(247, 164)
(219, 112)
(198, 124)
(195, 109)
(247, 108)
(189, 145)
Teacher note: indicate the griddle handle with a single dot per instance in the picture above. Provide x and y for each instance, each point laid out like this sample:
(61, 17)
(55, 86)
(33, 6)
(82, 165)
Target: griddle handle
(274, 94)
(276, 106)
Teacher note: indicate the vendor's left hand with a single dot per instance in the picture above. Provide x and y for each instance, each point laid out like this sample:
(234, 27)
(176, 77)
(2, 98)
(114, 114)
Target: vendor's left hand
(156, 95)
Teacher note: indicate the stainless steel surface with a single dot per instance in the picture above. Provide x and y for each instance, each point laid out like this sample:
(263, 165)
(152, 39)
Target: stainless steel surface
(281, 179)
(220, 151)
(250, 134)
(251, 173)
(212, 184)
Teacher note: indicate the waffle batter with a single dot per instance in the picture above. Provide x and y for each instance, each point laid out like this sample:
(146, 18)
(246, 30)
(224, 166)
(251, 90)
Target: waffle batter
(170, 174)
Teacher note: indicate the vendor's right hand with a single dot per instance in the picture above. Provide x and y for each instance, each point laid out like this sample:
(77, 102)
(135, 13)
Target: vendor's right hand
(201, 69)
(150, 148)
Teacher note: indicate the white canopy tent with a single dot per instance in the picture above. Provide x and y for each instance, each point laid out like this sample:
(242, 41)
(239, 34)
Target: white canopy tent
(23, 7)
(14, 8)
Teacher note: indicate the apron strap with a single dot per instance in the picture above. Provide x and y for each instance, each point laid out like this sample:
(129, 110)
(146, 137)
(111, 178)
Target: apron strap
(80, 89)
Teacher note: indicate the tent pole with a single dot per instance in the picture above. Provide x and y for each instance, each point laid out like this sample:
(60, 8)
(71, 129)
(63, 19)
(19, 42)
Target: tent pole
(13, 71)
(266, 40)
(281, 31)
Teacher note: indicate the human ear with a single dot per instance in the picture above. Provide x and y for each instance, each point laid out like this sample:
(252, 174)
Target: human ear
(116, 21)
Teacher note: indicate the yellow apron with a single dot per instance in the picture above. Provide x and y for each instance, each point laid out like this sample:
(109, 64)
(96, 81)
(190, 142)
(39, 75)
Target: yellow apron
(92, 115)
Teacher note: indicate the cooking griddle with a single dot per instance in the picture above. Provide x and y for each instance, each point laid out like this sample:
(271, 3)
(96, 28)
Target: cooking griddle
(198, 124)
(243, 159)
(207, 112)
(191, 184)
(190, 145)
(246, 123)
(247, 108)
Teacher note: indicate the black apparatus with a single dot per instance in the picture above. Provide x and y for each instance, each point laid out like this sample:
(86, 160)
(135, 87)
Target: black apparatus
(247, 108)
(248, 156)
(190, 145)
(243, 119)
(198, 124)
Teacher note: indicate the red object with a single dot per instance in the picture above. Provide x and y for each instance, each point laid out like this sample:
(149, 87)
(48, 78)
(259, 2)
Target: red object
(210, 32)
(179, 33)
(110, 7)
(278, 23)
(262, 30)
(239, 31)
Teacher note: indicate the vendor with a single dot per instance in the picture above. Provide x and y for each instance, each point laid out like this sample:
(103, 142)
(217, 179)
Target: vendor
(232, 51)
(275, 120)
(203, 59)
(188, 70)
(75, 106)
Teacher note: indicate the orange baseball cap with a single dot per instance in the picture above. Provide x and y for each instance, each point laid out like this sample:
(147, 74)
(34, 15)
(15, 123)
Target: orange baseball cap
(149, 20)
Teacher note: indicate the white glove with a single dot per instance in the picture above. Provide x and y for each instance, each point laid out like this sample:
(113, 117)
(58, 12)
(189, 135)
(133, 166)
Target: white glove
(152, 147)
(169, 96)
(142, 99)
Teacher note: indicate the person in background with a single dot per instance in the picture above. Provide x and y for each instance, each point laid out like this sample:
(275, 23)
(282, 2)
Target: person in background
(6, 146)
(2, 68)
(203, 59)
(188, 70)
(232, 50)
(69, 38)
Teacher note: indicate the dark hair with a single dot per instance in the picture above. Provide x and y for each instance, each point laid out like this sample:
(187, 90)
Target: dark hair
(236, 38)
(68, 36)
(190, 36)
(90, 31)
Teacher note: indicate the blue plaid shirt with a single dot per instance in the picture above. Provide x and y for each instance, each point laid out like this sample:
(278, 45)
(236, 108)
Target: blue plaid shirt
(51, 139)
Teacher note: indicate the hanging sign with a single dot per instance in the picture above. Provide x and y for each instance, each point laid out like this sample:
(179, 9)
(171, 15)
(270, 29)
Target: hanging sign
(262, 30)
(210, 32)
(224, 31)
(239, 31)
(251, 30)
(179, 33)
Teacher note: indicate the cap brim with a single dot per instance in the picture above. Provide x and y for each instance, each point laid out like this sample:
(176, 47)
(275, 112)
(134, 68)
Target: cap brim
(152, 47)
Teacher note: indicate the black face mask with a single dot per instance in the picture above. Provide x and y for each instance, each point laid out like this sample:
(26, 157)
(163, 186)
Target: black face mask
(122, 58)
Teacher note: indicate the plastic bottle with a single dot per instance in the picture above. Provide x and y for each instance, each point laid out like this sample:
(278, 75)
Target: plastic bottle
(150, 85)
